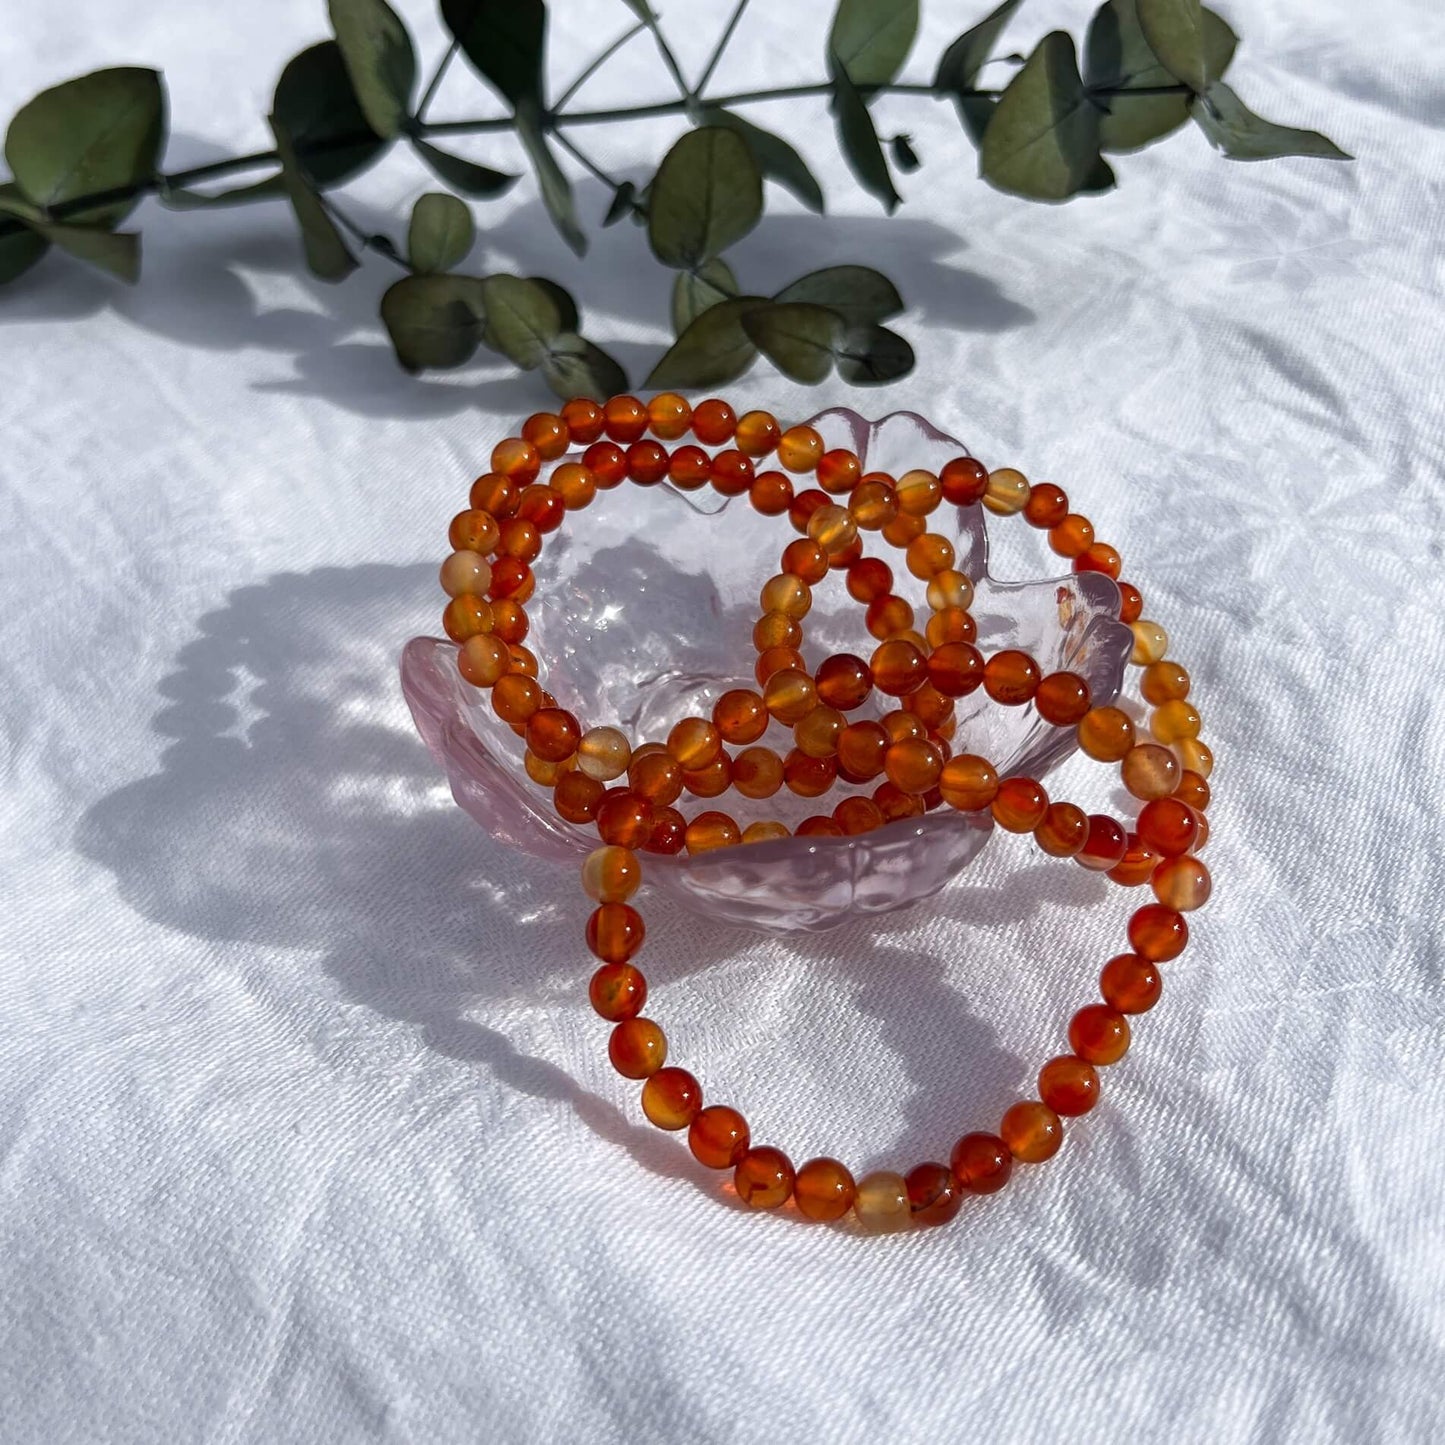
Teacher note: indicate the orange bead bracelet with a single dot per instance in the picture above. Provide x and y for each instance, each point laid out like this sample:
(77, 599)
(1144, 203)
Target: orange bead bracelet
(904, 763)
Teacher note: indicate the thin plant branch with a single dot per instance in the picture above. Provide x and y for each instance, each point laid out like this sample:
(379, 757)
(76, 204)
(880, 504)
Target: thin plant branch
(434, 84)
(722, 45)
(598, 63)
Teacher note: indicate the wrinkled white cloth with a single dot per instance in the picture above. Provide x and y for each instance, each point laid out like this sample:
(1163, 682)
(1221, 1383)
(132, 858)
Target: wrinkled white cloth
(306, 1130)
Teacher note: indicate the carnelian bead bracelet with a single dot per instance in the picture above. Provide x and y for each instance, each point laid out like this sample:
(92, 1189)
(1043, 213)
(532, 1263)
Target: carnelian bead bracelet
(630, 792)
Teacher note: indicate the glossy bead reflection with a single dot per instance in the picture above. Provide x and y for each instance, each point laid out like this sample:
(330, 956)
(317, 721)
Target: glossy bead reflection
(718, 1137)
(764, 1178)
(823, 1189)
(1032, 1131)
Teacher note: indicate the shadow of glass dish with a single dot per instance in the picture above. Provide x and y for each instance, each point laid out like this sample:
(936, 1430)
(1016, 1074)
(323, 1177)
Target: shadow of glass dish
(644, 618)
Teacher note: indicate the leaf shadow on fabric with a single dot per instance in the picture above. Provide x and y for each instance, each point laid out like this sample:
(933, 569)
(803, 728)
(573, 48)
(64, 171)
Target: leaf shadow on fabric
(214, 279)
(290, 811)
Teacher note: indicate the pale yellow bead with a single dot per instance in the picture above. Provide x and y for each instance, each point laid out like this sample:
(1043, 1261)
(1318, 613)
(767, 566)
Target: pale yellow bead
(611, 874)
(1151, 642)
(786, 594)
(1150, 771)
(484, 659)
(1007, 491)
(603, 754)
(881, 1203)
(833, 529)
(919, 492)
(1195, 756)
(466, 572)
(1173, 722)
(764, 831)
(950, 589)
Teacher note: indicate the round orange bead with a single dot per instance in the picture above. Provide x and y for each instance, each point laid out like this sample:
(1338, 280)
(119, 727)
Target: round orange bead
(1193, 790)
(887, 616)
(800, 448)
(1099, 1034)
(1106, 734)
(1150, 771)
(1104, 845)
(548, 433)
(838, 471)
(718, 1137)
(708, 831)
(1182, 883)
(637, 1048)
(913, 765)
(473, 531)
(1064, 830)
(618, 991)
(758, 433)
(584, 420)
(656, 777)
(898, 667)
(955, 668)
(953, 624)
(817, 734)
(611, 874)
(1069, 1085)
(711, 781)
(757, 772)
(731, 473)
(669, 415)
(790, 695)
(714, 421)
(1158, 933)
(968, 782)
(862, 746)
(1020, 805)
(1072, 536)
(805, 559)
(1011, 678)
(1047, 505)
(1130, 984)
(615, 932)
(467, 616)
(739, 716)
(771, 494)
(777, 659)
(764, 1177)
(1163, 682)
(575, 484)
(928, 555)
(483, 661)
(689, 468)
(515, 698)
(858, 815)
(577, 797)
(1167, 825)
(843, 681)
(964, 481)
(1099, 557)
(934, 1195)
(1032, 1131)
(624, 818)
(981, 1163)
(553, 733)
(671, 1098)
(1137, 865)
(624, 418)
(694, 742)
(668, 833)
(494, 493)
(517, 460)
(824, 1189)
(808, 777)
(873, 503)
(1062, 698)
(919, 493)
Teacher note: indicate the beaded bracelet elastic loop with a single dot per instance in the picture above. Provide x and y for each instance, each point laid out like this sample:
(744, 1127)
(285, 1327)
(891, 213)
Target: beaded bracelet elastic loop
(908, 761)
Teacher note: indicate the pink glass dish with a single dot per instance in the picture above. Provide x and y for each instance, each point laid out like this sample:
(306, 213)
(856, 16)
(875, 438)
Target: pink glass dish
(643, 615)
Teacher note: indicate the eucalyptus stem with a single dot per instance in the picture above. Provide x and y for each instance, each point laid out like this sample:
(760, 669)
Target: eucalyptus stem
(434, 84)
(596, 64)
(722, 45)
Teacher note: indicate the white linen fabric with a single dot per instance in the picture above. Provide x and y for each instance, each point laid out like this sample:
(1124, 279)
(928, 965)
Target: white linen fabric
(306, 1129)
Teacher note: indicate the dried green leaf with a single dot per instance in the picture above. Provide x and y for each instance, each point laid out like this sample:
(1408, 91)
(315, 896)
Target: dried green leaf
(707, 194)
(441, 232)
(904, 156)
(694, 291)
(505, 40)
(327, 255)
(712, 351)
(575, 367)
(100, 132)
(556, 189)
(562, 297)
(959, 65)
(434, 321)
(859, 140)
(1243, 136)
(777, 160)
(318, 108)
(873, 355)
(1175, 32)
(872, 38)
(467, 176)
(1117, 56)
(859, 294)
(523, 319)
(624, 202)
(799, 338)
(20, 248)
(379, 59)
(1043, 139)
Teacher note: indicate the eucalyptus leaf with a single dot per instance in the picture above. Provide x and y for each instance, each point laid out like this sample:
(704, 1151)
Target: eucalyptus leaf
(327, 255)
(505, 40)
(523, 319)
(873, 355)
(859, 294)
(872, 38)
(441, 232)
(624, 201)
(694, 291)
(958, 68)
(1175, 32)
(904, 156)
(707, 194)
(1117, 56)
(117, 252)
(434, 320)
(321, 115)
(466, 176)
(777, 160)
(799, 338)
(100, 132)
(182, 198)
(1243, 136)
(20, 248)
(556, 189)
(859, 140)
(1043, 138)
(713, 350)
(562, 297)
(575, 367)
(379, 59)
